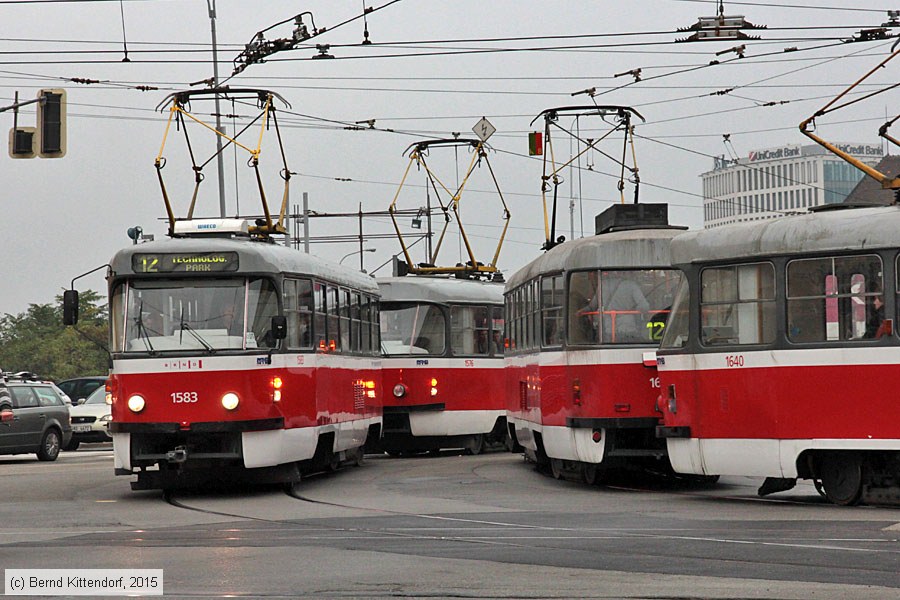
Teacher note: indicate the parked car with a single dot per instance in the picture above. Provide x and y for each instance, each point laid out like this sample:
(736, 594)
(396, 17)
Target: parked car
(33, 418)
(79, 388)
(90, 420)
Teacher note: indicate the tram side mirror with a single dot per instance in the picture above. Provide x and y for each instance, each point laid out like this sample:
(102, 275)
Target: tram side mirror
(70, 307)
(279, 327)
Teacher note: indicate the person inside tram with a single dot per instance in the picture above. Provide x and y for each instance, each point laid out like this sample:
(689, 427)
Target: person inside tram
(624, 307)
(152, 322)
(875, 324)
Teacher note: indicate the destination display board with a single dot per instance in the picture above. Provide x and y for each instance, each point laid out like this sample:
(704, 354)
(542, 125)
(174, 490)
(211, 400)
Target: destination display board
(184, 262)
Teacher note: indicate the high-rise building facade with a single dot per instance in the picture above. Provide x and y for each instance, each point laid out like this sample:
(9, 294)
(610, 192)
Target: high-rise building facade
(778, 181)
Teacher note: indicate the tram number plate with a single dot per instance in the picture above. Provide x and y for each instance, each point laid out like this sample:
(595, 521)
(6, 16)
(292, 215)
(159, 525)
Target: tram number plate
(183, 397)
(734, 360)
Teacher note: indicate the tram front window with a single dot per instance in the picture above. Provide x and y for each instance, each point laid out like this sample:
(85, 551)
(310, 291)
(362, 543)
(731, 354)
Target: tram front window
(620, 306)
(193, 315)
(412, 329)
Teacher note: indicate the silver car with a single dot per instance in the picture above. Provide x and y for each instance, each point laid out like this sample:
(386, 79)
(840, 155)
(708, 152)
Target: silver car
(90, 420)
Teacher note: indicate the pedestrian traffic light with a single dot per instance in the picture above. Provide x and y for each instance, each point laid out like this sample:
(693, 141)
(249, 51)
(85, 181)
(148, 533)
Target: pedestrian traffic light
(21, 142)
(51, 123)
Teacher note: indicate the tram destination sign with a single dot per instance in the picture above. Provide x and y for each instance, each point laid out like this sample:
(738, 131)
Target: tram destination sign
(184, 262)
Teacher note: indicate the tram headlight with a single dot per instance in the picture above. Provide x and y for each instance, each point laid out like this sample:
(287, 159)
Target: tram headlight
(230, 401)
(399, 390)
(136, 403)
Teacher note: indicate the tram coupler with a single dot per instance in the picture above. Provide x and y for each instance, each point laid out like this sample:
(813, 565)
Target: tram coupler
(177, 456)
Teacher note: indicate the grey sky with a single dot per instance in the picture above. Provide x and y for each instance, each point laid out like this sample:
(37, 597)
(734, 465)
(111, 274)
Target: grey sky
(64, 217)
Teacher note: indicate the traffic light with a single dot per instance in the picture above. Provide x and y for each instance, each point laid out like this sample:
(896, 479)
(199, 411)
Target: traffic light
(21, 142)
(51, 123)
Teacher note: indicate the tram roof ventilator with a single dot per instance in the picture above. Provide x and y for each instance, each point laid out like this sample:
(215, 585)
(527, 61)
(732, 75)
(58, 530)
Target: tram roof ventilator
(621, 217)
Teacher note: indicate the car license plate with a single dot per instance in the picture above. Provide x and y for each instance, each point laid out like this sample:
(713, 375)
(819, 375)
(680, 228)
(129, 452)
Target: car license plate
(81, 428)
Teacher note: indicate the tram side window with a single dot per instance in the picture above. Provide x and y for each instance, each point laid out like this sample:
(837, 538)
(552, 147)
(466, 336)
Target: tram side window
(262, 306)
(552, 310)
(319, 316)
(332, 325)
(469, 330)
(298, 310)
(355, 324)
(375, 319)
(582, 319)
(368, 341)
(737, 305)
(677, 328)
(497, 325)
(835, 298)
(345, 319)
(508, 339)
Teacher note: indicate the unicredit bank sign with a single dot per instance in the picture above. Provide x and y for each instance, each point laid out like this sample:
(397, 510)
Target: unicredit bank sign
(774, 153)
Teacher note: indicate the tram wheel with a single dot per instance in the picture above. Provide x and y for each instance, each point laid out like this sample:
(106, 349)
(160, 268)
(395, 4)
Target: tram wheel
(590, 473)
(475, 445)
(556, 468)
(841, 474)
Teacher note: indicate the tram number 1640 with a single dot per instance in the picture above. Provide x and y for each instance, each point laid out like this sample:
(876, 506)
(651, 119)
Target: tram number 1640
(183, 397)
(734, 360)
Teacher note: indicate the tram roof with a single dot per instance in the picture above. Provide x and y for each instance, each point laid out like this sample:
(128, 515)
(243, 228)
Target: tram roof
(254, 256)
(818, 231)
(633, 248)
(417, 288)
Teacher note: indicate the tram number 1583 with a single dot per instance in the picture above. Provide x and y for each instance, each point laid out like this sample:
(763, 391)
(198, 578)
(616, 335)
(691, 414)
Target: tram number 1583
(183, 397)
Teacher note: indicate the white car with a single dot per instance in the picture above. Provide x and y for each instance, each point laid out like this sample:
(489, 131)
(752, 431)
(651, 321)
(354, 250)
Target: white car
(90, 419)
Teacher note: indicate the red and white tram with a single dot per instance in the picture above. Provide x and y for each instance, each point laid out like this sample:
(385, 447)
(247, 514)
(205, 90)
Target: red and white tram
(583, 321)
(442, 366)
(235, 357)
(781, 353)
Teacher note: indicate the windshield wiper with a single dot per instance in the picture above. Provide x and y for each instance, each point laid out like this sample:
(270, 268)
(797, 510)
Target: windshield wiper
(142, 330)
(196, 336)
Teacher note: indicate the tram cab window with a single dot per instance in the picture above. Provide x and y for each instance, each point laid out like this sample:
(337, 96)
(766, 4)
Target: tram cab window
(737, 305)
(187, 315)
(835, 298)
(412, 329)
(620, 306)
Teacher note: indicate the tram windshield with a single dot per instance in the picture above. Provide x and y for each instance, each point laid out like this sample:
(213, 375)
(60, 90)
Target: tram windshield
(411, 328)
(620, 306)
(203, 315)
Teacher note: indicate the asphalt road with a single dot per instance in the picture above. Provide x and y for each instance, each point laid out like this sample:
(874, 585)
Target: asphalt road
(448, 526)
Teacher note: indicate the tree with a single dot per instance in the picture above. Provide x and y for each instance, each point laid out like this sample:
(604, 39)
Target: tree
(37, 341)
